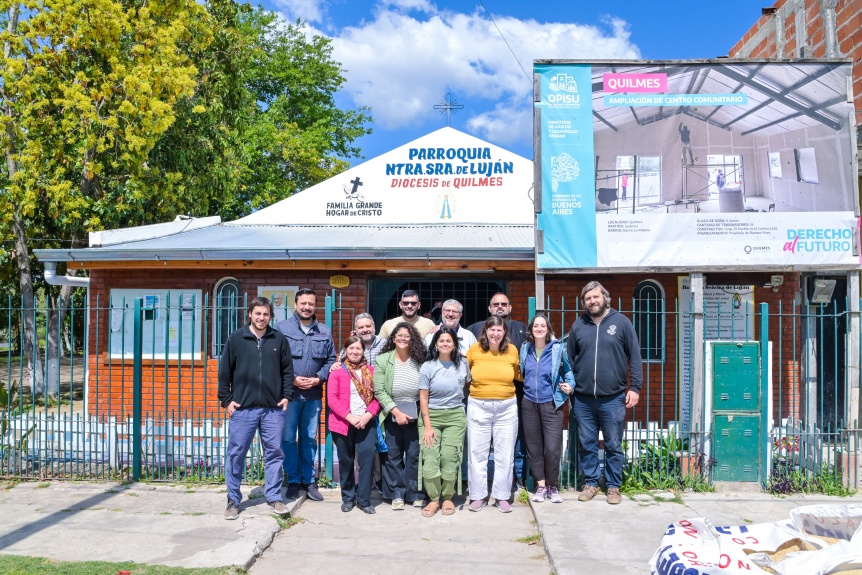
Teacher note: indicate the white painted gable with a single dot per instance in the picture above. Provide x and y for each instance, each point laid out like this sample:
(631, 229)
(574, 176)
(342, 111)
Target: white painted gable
(446, 176)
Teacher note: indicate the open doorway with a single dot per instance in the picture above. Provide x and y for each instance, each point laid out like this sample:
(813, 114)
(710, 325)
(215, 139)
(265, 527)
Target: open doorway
(474, 295)
(639, 178)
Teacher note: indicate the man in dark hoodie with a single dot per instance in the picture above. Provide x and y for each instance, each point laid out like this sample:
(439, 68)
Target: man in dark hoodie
(603, 349)
(255, 383)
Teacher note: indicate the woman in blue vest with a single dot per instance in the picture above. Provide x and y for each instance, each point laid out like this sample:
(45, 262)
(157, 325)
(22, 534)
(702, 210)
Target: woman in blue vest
(548, 381)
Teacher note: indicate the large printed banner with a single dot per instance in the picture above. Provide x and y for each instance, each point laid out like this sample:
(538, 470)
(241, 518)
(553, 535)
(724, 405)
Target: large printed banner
(696, 165)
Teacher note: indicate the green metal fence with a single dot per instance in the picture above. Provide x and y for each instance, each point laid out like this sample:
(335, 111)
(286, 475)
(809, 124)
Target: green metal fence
(807, 442)
(75, 407)
(76, 401)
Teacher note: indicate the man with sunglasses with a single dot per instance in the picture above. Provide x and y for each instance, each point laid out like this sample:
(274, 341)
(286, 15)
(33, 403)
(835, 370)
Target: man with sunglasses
(409, 305)
(501, 307)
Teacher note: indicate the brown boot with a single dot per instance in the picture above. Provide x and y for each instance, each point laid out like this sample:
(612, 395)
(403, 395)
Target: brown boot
(614, 497)
(588, 492)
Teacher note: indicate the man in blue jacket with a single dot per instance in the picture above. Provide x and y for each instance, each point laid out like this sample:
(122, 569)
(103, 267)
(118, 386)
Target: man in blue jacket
(313, 355)
(255, 384)
(603, 349)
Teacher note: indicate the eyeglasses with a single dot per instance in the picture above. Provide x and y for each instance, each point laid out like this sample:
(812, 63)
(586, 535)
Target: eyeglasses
(452, 311)
(500, 304)
(410, 303)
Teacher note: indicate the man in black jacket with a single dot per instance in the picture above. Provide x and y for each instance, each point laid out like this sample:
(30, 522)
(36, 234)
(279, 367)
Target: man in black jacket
(255, 383)
(603, 348)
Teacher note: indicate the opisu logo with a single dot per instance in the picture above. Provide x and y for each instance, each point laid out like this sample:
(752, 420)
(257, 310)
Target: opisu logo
(631, 83)
(564, 83)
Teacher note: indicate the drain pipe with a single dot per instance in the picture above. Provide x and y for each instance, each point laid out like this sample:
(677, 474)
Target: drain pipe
(54, 279)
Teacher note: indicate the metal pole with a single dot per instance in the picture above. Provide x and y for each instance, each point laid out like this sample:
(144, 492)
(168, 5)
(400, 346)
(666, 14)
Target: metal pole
(330, 306)
(765, 396)
(136, 391)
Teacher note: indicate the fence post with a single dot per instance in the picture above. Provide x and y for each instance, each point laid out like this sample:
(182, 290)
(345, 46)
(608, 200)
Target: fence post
(138, 351)
(531, 307)
(330, 307)
(764, 394)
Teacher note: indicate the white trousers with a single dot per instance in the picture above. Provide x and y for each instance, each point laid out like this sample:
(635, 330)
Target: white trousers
(491, 420)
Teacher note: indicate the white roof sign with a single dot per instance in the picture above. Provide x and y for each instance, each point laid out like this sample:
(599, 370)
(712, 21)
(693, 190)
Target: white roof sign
(446, 176)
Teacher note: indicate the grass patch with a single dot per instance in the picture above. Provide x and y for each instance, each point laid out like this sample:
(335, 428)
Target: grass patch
(530, 539)
(524, 497)
(12, 565)
(132, 494)
(43, 485)
(194, 513)
(288, 522)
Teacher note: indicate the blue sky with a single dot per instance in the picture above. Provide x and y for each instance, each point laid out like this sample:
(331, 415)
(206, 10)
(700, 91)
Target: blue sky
(403, 56)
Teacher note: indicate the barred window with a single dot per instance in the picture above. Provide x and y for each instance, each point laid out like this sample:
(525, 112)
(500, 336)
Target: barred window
(228, 312)
(649, 318)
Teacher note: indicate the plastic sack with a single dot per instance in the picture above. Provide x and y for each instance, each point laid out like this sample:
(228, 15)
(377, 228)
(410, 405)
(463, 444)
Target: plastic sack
(815, 540)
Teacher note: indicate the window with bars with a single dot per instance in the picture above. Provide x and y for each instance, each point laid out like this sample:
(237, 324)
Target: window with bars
(228, 312)
(649, 317)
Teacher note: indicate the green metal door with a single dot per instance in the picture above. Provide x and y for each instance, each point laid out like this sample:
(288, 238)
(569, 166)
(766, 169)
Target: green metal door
(736, 377)
(737, 449)
(736, 402)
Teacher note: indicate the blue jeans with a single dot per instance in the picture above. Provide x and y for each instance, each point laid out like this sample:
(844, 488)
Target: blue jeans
(244, 423)
(609, 414)
(300, 439)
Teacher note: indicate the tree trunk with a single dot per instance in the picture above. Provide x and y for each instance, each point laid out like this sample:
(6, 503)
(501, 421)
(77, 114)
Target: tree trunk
(32, 349)
(54, 323)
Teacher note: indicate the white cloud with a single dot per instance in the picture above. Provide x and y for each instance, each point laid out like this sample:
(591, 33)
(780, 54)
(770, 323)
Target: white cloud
(421, 5)
(307, 10)
(401, 65)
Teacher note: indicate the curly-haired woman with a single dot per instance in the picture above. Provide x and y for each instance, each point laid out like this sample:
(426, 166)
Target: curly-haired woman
(396, 387)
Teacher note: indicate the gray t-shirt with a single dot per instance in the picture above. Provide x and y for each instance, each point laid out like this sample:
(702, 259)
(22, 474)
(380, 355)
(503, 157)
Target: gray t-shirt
(444, 382)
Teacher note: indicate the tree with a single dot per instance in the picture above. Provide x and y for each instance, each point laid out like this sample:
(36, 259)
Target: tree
(87, 87)
(296, 136)
(125, 112)
(262, 123)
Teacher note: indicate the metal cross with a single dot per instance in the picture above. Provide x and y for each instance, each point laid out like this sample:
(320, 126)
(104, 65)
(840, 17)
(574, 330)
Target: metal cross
(448, 106)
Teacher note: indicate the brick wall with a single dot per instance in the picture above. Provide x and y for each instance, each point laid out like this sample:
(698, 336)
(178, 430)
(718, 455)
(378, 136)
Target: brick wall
(781, 36)
(661, 380)
(191, 387)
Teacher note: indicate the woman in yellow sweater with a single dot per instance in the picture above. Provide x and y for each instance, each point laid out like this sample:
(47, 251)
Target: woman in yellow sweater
(492, 414)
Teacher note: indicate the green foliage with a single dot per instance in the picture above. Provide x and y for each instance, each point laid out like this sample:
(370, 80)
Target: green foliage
(12, 565)
(660, 466)
(790, 476)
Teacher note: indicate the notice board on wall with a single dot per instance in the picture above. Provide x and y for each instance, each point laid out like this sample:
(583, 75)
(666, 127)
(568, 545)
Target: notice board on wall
(172, 323)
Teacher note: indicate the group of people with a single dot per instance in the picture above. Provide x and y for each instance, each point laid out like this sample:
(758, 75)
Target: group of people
(430, 400)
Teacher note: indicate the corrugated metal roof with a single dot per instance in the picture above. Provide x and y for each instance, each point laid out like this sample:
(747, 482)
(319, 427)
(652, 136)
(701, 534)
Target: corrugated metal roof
(271, 242)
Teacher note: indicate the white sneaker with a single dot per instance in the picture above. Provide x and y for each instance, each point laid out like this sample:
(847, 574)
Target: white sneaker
(397, 505)
(554, 495)
(539, 496)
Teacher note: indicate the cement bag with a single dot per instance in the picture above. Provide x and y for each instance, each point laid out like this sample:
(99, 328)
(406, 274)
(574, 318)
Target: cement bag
(816, 540)
(833, 521)
(696, 547)
(835, 531)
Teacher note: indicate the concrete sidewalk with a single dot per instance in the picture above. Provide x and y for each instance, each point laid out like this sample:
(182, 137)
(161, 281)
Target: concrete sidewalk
(175, 526)
(184, 527)
(329, 541)
(595, 537)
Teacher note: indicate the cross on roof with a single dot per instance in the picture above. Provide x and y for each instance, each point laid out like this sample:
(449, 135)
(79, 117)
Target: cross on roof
(448, 106)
